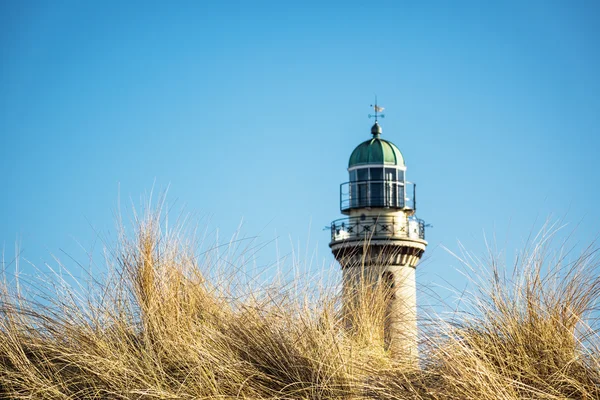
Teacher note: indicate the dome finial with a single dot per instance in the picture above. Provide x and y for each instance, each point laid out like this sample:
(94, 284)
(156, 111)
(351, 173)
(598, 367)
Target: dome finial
(376, 129)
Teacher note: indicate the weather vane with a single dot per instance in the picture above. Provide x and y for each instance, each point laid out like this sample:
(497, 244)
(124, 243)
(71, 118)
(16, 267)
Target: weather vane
(377, 111)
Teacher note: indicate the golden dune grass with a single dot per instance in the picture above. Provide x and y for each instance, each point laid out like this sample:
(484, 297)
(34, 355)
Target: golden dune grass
(156, 328)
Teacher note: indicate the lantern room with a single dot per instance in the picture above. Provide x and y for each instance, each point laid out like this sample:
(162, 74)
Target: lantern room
(376, 177)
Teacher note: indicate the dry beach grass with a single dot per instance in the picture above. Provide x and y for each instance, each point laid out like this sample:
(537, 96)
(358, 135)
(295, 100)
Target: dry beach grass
(157, 328)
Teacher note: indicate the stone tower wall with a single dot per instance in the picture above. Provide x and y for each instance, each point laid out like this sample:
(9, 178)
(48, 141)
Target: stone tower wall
(390, 268)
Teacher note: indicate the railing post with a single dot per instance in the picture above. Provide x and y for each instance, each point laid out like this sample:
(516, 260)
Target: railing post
(415, 196)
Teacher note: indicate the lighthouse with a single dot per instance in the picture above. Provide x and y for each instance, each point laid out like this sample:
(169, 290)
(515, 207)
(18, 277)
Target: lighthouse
(380, 241)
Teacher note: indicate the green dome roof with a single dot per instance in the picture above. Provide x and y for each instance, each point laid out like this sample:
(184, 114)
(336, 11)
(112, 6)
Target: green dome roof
(376, 151)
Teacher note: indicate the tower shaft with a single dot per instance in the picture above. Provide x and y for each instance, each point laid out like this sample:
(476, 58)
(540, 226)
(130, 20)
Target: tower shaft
(382, 273)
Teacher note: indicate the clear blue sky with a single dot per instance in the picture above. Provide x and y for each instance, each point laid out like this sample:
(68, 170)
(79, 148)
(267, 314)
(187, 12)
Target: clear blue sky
(250, 110)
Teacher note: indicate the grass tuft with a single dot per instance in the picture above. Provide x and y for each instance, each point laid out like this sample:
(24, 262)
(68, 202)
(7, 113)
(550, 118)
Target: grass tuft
(157, 328)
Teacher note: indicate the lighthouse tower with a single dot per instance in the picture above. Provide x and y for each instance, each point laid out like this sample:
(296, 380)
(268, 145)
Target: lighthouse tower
(381, 241)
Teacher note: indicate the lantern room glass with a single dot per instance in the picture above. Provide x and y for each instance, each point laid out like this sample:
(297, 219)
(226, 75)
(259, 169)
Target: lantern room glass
(376, 186)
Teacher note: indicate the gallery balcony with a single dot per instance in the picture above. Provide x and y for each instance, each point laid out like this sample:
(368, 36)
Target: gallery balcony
(374, 228)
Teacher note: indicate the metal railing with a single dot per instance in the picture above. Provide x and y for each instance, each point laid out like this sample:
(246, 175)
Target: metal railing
(383, 227)
(378, 194)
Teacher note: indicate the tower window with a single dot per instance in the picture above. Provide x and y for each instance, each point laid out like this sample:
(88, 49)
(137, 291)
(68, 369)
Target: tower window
(391, 194)
(362, 195)
(377, 199)
(388, 280)
(353, 176)
(362, 174)
(390, 174)
(377, 174)
(401, 175)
